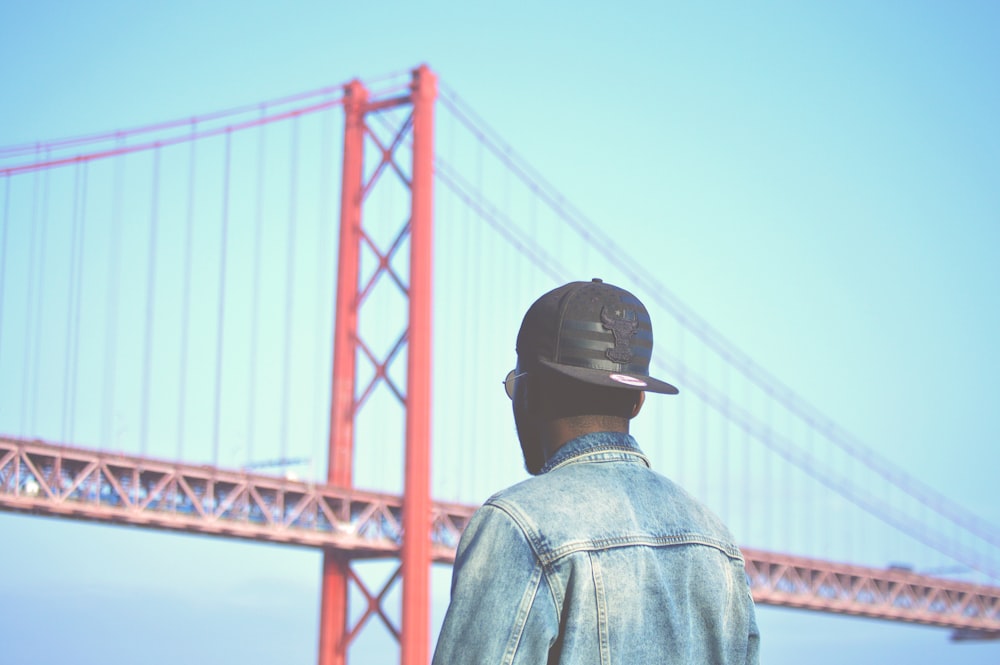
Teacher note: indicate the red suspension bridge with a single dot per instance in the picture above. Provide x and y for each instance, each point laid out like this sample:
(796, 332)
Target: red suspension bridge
(185, 304)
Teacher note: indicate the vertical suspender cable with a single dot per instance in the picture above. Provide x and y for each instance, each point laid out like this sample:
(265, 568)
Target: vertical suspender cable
(726, 448)
(68, 330)
(289, 288)
(255, 282)
(220, 326)
(827, 539)
(471, 246)
(29, 313)
(150, 300)
(810, 508)
(3, 253)
(323, 299)
(680, 442)
(747, 471)
(478, 284)
(477, 241)
(852, 534)
(111, 322)
(703, 454)
(186, 292)
(767, 479)
(39, 312)
(783, 486)
(76, 296)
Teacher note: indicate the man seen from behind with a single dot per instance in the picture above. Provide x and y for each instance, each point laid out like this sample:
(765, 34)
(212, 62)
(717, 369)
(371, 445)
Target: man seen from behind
(596, 559)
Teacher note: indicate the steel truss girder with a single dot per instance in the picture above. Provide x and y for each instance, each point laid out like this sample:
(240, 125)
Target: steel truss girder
(53, 480)
(814, 584)
(47, 479)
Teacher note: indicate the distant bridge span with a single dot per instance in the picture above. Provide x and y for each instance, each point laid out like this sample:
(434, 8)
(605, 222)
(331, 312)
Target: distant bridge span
(47, 479)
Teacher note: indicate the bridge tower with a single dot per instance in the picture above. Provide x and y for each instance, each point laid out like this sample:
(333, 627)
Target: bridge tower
(417, 132)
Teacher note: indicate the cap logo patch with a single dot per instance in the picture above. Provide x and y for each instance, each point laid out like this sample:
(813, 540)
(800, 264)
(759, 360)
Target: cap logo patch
(627, 380)
(623, 328)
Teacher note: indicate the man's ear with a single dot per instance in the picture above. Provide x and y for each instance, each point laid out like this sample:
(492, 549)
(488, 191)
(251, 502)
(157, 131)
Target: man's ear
(638, 404)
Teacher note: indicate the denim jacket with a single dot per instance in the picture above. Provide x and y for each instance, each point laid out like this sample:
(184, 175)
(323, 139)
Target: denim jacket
(597, 560)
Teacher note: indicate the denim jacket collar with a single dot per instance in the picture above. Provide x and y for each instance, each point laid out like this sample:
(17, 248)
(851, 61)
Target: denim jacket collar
(597, 446)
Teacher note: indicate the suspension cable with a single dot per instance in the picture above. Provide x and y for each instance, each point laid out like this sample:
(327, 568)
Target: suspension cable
(784, 395)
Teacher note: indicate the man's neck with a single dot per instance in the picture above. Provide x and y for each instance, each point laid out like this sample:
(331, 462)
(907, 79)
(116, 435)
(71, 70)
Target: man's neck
(560, 431)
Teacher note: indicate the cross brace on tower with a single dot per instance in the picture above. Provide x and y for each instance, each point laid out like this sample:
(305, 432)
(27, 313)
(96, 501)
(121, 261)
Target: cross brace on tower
(335, 633)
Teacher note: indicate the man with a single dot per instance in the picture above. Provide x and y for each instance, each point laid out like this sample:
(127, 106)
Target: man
(597, 559)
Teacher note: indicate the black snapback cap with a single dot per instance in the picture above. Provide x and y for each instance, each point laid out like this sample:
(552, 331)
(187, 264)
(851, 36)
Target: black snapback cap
(592, 332)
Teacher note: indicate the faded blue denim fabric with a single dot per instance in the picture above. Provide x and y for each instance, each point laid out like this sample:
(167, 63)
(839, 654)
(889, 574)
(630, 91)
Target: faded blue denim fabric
(597, 561)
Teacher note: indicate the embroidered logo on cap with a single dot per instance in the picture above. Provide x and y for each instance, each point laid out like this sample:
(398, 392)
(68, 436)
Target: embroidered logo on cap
(623, 328)
(627, 380)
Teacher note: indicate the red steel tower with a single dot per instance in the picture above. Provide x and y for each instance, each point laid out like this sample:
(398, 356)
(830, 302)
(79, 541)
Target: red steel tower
(417, 132)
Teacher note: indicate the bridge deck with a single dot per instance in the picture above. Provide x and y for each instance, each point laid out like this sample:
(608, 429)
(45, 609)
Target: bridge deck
(46, 479)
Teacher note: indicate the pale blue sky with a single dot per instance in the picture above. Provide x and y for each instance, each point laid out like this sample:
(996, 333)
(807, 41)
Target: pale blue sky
(818, 181)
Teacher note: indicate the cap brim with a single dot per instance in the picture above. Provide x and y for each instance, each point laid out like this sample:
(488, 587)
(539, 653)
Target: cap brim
(602, 377)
